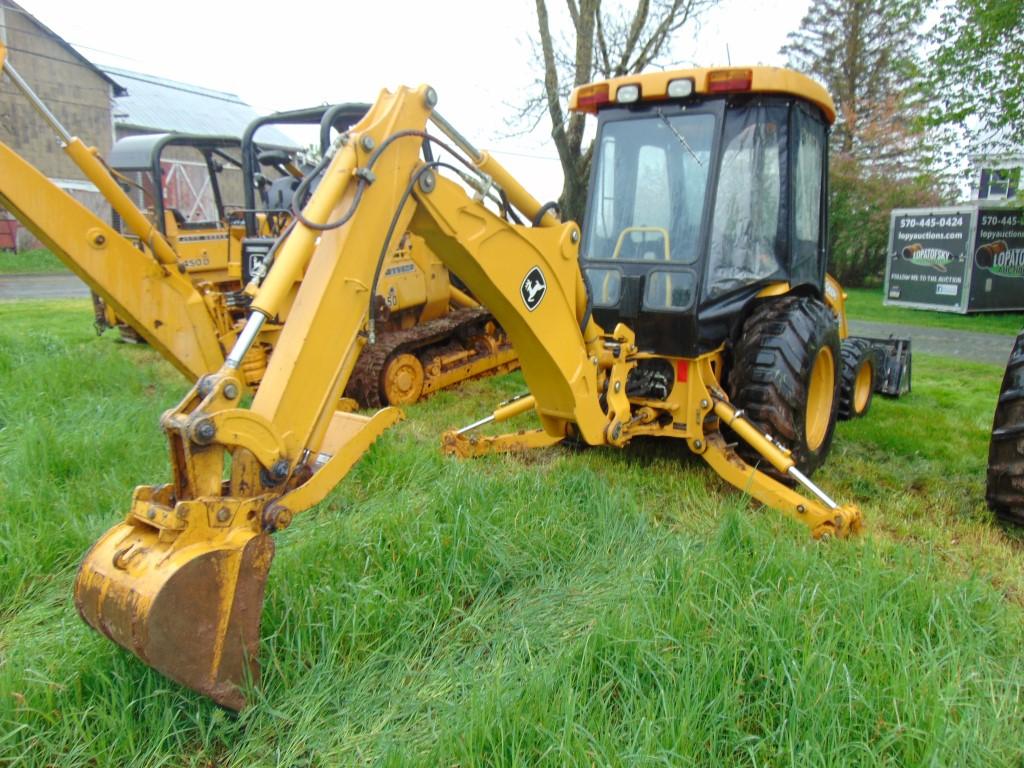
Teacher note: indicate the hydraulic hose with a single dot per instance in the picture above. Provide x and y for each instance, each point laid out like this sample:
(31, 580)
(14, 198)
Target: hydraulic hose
(391, 232)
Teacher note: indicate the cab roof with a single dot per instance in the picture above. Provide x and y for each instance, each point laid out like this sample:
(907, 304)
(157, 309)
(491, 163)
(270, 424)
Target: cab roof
(706, 81)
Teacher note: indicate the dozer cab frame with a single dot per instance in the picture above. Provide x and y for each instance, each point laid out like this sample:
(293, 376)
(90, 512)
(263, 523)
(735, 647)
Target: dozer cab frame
(207, 238)
(180, 581)
(144, 162)
(272, 194)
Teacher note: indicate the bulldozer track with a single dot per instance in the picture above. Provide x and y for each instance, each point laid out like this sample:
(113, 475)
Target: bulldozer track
(364, 386)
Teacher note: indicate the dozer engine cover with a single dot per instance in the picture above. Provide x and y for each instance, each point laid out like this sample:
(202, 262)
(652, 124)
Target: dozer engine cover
(192, 612)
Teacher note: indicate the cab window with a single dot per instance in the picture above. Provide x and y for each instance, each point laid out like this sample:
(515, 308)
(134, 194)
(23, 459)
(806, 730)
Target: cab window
(651, 180)
(748, 218)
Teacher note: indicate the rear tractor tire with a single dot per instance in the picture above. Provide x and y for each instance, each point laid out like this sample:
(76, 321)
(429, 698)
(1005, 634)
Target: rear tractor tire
(1005, 492)
(857, 385)
(784, 375)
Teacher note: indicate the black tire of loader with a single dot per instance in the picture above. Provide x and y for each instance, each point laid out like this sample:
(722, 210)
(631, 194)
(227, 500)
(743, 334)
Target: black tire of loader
(1005, 491)
(771, 371)
(855, 354)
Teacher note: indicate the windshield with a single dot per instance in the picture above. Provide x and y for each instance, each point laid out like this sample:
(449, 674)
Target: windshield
(650, 185)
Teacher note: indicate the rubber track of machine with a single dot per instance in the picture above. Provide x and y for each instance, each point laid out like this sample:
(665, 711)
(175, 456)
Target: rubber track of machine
(771, 359)
(1005, 492)
(364, 384)
(853, 352)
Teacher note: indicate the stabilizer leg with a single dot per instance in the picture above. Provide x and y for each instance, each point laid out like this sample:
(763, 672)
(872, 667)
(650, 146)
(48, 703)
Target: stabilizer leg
(458, 442)
(823, 521)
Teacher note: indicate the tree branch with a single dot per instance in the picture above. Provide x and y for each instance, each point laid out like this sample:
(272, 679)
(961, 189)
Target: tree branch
(635, 28)
(551, 87)
(574, 14)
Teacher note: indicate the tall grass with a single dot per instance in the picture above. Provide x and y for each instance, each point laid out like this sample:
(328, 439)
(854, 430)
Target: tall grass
(563, 608)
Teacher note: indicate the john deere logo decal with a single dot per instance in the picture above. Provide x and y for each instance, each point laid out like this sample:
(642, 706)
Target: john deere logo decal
(533, 288)
(936, 258)
(1000, 259)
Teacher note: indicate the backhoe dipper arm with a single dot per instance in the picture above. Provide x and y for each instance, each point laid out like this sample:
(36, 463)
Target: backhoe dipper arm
(145, 290)
(180, 582)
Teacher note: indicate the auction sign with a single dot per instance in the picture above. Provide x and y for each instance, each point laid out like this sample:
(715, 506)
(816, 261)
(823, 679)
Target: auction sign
(956, 259)
(998, 279)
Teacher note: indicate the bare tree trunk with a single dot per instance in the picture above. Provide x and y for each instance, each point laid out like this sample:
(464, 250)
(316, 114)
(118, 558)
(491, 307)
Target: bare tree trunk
(568, 134)
(626, 40)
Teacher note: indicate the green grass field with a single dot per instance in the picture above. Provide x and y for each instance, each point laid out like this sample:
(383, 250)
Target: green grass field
(38, 261)
(866, 304)
(588, 607)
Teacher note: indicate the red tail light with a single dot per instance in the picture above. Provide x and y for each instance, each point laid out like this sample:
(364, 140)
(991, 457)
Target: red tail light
(682, 371)
(730, 80)
(590, 97)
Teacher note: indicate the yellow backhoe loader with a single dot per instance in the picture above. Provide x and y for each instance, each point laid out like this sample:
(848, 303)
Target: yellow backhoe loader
(691, 308)
(1005, 492)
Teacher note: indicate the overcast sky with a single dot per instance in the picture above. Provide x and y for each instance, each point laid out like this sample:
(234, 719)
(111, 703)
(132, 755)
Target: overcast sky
(282, 55)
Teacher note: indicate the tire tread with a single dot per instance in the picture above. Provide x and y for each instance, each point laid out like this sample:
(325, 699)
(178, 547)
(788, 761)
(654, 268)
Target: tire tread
(771, 360)
(1005, 476)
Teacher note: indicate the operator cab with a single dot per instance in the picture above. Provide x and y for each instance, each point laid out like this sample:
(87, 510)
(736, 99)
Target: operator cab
(190, 180)
(707, 187)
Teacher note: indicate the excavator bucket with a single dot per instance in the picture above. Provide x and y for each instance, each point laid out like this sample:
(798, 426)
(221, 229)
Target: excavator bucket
(189, 610)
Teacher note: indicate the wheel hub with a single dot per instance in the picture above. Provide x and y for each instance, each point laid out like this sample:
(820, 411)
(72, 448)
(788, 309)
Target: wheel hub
(862, 388)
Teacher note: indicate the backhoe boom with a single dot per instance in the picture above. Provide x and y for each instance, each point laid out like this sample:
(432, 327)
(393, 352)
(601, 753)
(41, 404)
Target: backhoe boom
(163, 305)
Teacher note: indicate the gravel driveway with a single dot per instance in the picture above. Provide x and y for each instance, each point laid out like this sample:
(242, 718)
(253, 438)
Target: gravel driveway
(979, 347)
(965, 345)
(56, 286)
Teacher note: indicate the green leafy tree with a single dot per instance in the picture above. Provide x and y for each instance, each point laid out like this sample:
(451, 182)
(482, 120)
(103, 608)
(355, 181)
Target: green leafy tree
(864, 51)
(865, 185)
(860, 203)
(976, 72)
(866, 54)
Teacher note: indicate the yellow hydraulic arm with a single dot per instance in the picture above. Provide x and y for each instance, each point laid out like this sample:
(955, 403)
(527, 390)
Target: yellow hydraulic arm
(145, 289)
(180, 582)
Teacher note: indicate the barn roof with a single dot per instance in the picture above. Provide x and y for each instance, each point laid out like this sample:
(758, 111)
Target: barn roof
(157, 104)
